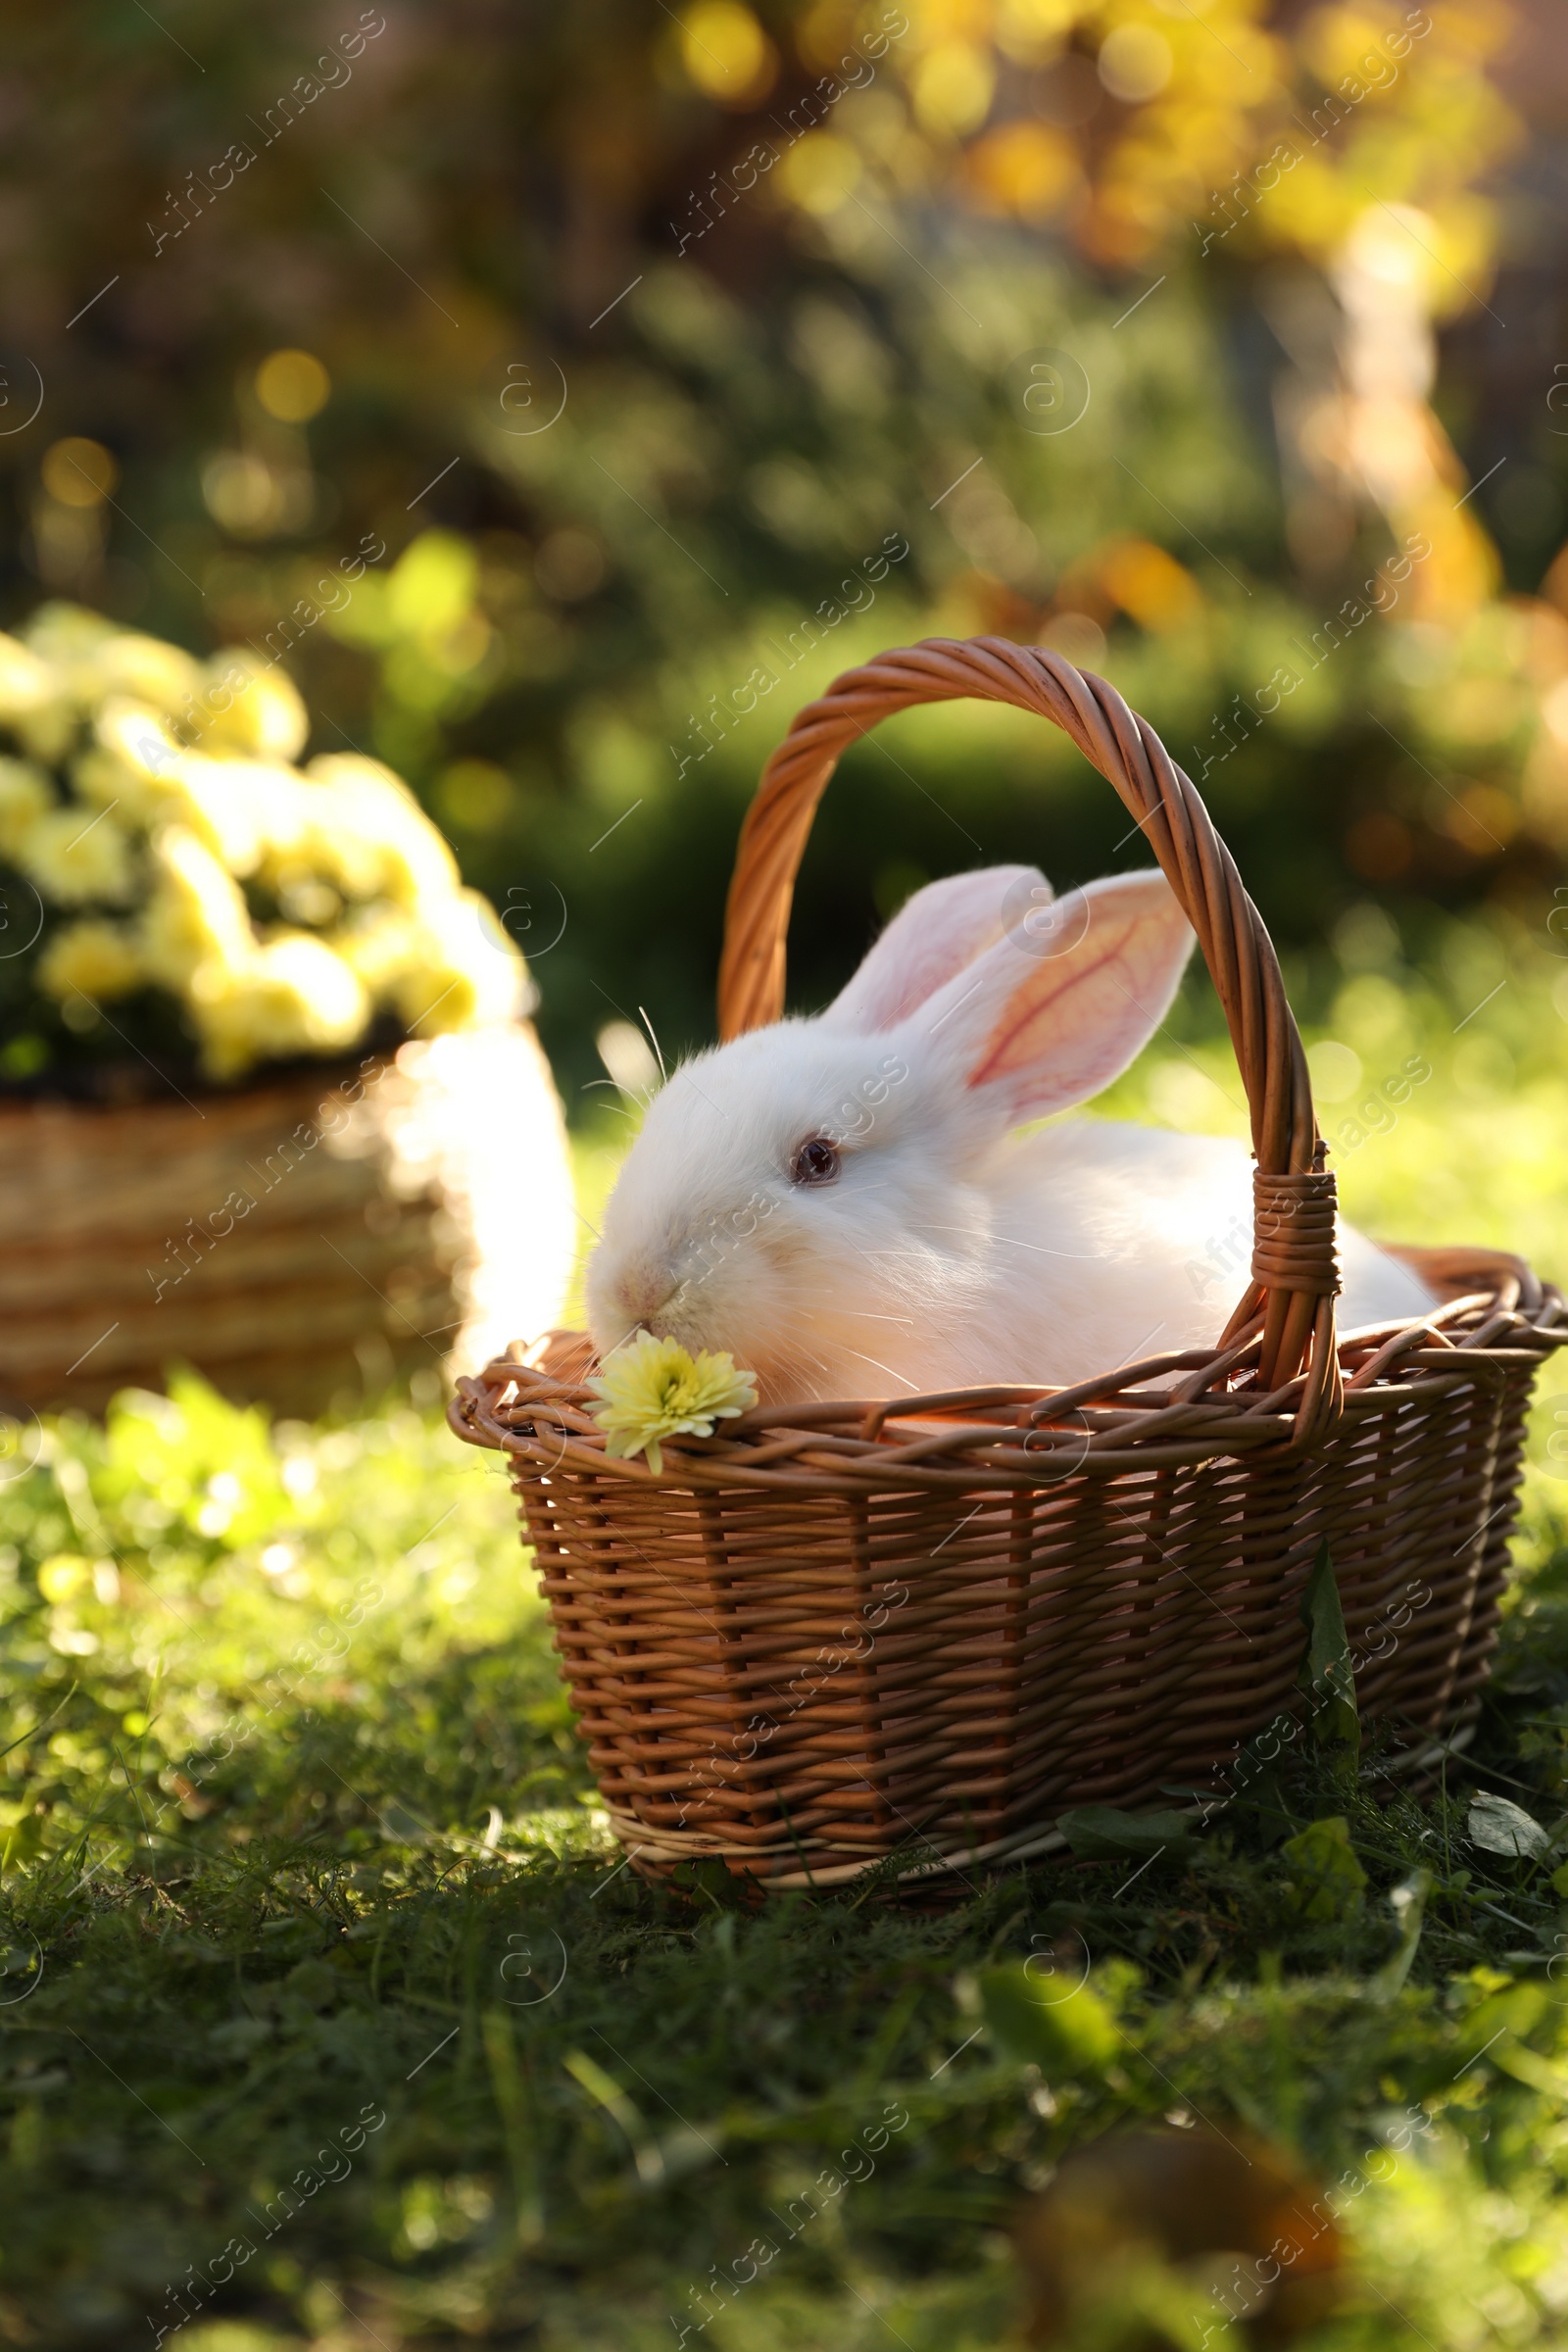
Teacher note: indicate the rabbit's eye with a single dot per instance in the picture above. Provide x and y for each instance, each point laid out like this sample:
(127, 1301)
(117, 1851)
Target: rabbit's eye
(816, 1162)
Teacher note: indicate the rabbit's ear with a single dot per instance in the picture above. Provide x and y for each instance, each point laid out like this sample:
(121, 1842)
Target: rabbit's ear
(933, 935)
(1062, 1004)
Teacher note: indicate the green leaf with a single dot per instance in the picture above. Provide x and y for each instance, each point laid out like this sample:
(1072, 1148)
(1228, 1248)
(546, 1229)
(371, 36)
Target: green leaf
(1327, 1674)
(24, 1844)
(1031, 2018)
(1504, 1828)
(1327, 1879)
(1100, 1833)
(1512, 2009)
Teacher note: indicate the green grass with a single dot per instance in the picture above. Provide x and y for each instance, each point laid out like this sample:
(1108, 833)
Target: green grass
(315, 1943)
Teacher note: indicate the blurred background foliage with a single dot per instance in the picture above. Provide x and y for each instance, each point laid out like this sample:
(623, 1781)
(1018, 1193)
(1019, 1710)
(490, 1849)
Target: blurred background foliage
(684, 357)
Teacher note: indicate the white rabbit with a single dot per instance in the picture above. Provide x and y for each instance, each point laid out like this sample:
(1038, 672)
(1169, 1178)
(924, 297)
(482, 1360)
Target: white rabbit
(841, 1204)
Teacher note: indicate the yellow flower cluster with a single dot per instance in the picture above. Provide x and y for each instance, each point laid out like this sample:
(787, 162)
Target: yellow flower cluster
(653, 1389)
(152, 785)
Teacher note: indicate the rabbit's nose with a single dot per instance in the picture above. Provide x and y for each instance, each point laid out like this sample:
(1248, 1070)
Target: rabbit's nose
(644, 1290)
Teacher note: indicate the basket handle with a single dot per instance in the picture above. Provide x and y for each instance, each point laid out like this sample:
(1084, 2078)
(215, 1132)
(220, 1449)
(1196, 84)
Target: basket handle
(1293, 1272)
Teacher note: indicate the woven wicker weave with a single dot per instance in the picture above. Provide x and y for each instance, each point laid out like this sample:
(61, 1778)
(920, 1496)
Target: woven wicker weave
(837, 1630)
(231, 1234)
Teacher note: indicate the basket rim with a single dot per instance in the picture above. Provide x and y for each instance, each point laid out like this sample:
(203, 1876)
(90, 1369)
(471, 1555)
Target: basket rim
(533, 1404)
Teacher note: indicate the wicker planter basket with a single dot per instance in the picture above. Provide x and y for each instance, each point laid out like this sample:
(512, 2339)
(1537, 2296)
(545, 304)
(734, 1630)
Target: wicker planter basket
(835, 1632)
(307, 1236)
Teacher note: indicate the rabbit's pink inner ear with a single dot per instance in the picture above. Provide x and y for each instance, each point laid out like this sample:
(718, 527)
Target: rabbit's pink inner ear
(935, 934)
(1096, 984)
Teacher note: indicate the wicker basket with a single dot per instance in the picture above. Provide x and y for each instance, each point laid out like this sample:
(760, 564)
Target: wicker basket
(298, 1240)
(835, 1632)
(226, 1234)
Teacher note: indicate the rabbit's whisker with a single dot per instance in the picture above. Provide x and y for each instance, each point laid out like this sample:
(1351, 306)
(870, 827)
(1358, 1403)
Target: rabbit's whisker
(833, 1298)
(797, 1356)
(913, 1386)
(869, 1314)
(824, 1290)
(800, 1353)
(589, 1084)
(1013, 1242)
(658, 1048)
(919, 1257)
(1082, 1257)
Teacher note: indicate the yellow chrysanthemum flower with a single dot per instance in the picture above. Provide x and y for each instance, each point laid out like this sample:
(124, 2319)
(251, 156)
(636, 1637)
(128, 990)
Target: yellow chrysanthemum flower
(324, 840)
(66, 635)
(294, 997)
(312, 991)
(75, 858)
(132, 761)
(653, 1389)
(35, 700)
(24, 797)
(91, 958)
(371, 825)
(381, 944)
(463, 969)
(243, 810)
(243, 707)
(162, 676)
(196, 916)
(28, 685)
(247, 810)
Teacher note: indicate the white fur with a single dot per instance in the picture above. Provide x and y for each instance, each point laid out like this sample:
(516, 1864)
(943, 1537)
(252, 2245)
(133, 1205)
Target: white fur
(950, 1253)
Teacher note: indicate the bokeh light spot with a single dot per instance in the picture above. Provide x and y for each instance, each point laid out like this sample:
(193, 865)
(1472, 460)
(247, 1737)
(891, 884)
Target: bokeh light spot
(293, 386)
(820, 172)
(726, 53)
(1135, 62)
(1335, 1069)
(78, 472)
